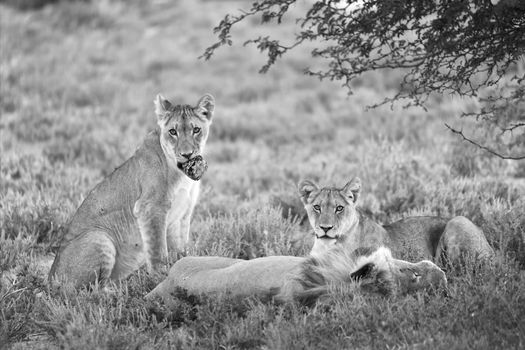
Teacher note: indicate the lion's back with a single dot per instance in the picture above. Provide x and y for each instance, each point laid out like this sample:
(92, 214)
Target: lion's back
(110, 204)
(416, 236)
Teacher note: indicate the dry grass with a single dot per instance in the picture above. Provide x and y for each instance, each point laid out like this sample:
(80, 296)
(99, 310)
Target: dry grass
(78, 80)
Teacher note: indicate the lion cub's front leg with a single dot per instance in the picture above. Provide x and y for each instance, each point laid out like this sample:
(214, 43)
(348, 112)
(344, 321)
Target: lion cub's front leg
(178, 231)
(151, 220)
(181, 238)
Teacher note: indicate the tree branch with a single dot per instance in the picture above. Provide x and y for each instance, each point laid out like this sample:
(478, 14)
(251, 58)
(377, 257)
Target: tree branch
(465, 48)
(491, 151)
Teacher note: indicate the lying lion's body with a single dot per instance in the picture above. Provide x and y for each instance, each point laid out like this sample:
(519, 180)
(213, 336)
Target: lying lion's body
(289, 278)
(336, 221)
(134, 215)
(213, 274)
(416, 236)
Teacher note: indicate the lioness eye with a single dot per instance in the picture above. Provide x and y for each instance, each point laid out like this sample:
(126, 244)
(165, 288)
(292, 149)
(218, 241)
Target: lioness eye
(196, 130)
(172, 132)
(317, 208)
(339, 208)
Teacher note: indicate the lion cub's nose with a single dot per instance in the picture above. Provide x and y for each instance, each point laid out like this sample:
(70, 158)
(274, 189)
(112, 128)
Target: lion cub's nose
(187, 155)
(326, 228)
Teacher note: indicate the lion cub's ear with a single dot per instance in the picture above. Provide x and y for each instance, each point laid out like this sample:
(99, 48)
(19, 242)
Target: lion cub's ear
(162, 106)
(305, 188)
(352, 189)
(206, 105)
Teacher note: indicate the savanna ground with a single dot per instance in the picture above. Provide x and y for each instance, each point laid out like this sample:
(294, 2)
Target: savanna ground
(77, 84)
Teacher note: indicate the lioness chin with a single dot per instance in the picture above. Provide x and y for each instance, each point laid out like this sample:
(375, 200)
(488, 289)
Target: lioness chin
(336, 221)
(144, 207)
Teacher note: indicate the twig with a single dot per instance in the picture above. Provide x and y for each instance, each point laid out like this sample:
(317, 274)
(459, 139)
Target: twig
(491, 151)
(512, 127)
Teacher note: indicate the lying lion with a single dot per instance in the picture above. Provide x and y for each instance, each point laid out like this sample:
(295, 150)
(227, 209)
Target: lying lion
(302, 279)
(336, 221)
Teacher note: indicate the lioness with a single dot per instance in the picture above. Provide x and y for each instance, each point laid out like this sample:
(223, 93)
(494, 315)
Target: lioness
(144, 207)
(335, 219)
(303, 279)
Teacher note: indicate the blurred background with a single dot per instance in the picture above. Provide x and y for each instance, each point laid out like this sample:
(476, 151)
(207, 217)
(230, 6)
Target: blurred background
(78, 80)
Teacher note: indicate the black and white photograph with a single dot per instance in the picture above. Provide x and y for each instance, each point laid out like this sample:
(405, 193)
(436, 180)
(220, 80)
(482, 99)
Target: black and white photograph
(262, 174)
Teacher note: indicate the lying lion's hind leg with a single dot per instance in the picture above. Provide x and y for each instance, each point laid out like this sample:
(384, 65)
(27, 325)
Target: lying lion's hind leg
(461, 240)
(87, 260)
(187, 272)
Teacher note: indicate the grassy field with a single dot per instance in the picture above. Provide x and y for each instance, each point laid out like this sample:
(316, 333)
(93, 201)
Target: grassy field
(77, 86)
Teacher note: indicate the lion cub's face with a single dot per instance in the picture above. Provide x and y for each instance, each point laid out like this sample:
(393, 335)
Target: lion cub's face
(331, 211)
(183, 128)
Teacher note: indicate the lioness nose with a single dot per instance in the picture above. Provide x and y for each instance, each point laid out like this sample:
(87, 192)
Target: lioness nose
(325, 228)
(187, 155)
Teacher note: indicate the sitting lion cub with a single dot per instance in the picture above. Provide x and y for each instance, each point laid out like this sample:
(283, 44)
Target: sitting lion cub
(336, 221)
(144, 207)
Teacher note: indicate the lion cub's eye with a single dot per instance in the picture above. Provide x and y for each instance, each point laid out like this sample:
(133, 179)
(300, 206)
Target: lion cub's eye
(339, 209)
(317, 208)
(196, 130)
(172, 132)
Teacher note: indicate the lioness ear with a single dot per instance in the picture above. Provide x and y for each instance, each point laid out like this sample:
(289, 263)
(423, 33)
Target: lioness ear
(364, 271)
(305, 188)
(162, 106)
(353, 188)
(206, 105)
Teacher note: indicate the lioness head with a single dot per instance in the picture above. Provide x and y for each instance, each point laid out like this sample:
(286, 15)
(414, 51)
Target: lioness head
(184, 129)
(379, 272)
(420, 275)
(331, 210)
(374, 268)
